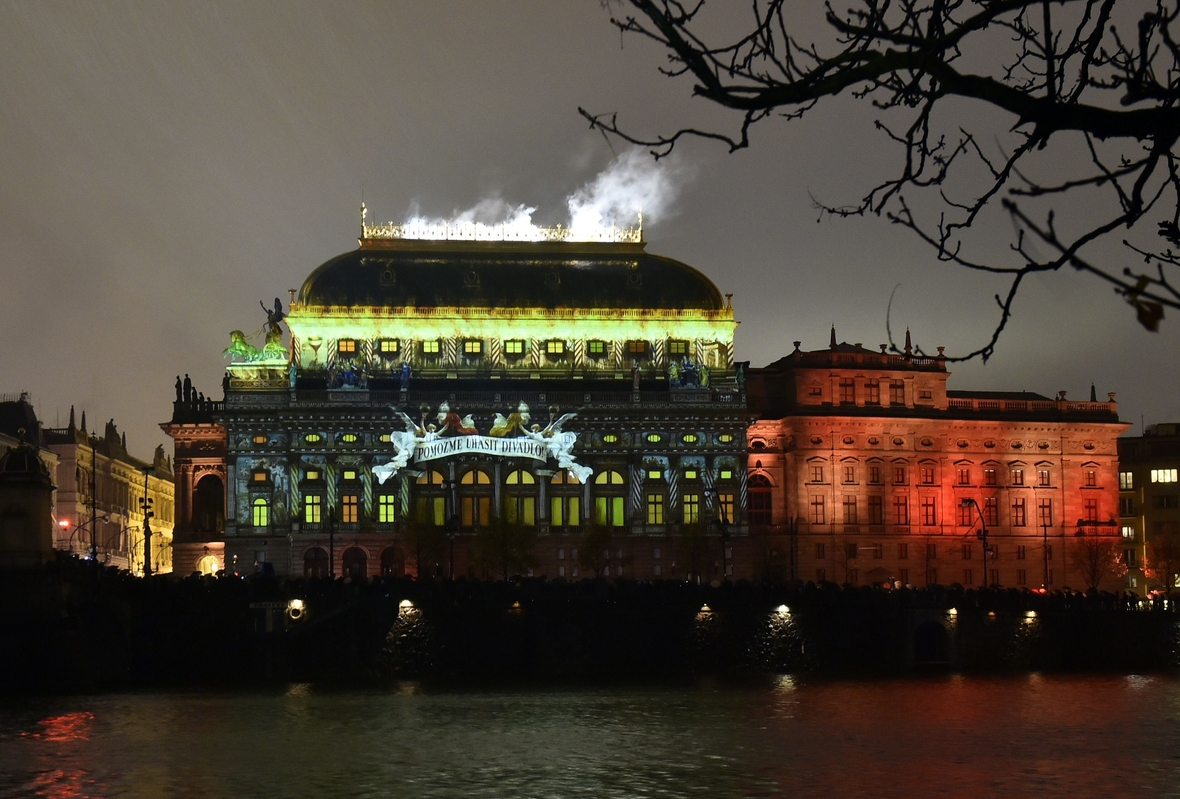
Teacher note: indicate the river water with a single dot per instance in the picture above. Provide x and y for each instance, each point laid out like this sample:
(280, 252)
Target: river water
(954, 736)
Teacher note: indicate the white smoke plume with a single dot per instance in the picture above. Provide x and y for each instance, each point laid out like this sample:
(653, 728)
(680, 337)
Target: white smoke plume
(632, 183)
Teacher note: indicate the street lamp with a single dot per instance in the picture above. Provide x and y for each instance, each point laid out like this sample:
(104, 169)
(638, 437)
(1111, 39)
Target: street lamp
(721, 525)
(981, 535)
(145, 505)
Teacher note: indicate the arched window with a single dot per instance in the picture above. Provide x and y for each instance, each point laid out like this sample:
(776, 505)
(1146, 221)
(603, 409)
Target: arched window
(315, 563)
(520, 502)
(261, 513)
(356, 563)
(565, 503)
(208, 565)
(209, 504)
(475, 503)
(391, 563)
(430, 501)
(609, 503)
(761, 508)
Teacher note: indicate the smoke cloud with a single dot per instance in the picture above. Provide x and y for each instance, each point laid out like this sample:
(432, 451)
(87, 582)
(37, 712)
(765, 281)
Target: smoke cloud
(633, 183)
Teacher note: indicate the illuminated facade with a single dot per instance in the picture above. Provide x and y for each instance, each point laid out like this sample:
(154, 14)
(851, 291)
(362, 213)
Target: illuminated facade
(100, 487)
(459, 404)
(1149, 498)
(864, 469)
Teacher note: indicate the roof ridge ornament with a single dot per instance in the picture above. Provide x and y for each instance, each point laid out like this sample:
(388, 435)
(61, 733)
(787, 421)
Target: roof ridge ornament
(448, 230)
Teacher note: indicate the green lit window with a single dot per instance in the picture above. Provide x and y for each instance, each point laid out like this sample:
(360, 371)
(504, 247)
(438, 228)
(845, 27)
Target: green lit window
(692, 508)
(565, 511)
(609, 478)
(555, 347)
(596, 349)
(726, 474)
(432, 510)
(385, 506)
(655, 508)
(313, 505)
(514, 347)
(678, 348)
(654, 438)
(261, 513)
(388, 346)
(430, 347)
(346, 346)
(689, 438)
(690, 474)
(312, 438)
(610, 438)
(725, 438)
(472, 347)
(608, 511)
(349, 474)
(350, 438)
(655, 474)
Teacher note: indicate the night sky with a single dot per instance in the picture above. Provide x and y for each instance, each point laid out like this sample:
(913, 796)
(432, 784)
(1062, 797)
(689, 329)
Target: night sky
(168, 165)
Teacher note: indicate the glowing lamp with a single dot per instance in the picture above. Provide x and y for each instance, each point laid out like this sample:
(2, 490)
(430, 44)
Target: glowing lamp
(406, 604)
(953, 612)
(782, 610)
(706, 609)
(64, 523)
(1032, 614)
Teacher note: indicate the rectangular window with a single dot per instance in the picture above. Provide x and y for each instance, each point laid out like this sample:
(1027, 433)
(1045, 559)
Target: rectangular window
(388, 346)
(565, 511)
(472, 347)
(817, 474)
(897, 393)
(655, 508)
(817, 510)
(725, 507)
(989, 477)
(927, 473)
(968, 577)
(877, 550)
(1019, 517)
(1126, 506)
(346, 346)
(925, 394)
(260, 477)
(431, 510)
(903, 575)
(692, 508)
(596, 348)
(932, 552)
(385, 508)
(966, 514)
(608, 511)
(849, 509)
(1045, 512)
(994, 577)
(991, 511)
(851, 551)
(1126, 481)
(967, 552)
(932, 577)
(928, 513)
(875, 475)
(1128, 532)
(678, 348)
(261, 513)
(520, 510)
(1021, 577)
(554, 347)
(1164, 501)
(1021, 551)
(876, 510)
(1091, 478)
(821, 576)
(312, 506)
(1129, 558)
(903, 551)
(1043, 477)
(1018, 477)
(872, 393)
(514, 347)
(901, 510)
(849, 474)
(1163, 475)
(475, 511)
(349, 504)
(899, 475)
(430, 347)
(847, 391)
(1091, 510)
(637, 349)
(820, 551)
(964, 477)
(853, 576)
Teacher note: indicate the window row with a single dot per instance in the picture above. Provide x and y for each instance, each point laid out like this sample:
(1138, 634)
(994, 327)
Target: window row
(899, 474)
(512, 348)
(968, 514)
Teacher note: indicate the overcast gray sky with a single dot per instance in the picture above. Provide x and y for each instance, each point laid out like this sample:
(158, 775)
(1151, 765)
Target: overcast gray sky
(165, 166)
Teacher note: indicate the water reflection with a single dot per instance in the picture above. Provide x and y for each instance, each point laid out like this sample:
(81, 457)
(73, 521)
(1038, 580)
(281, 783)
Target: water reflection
(1026, 735)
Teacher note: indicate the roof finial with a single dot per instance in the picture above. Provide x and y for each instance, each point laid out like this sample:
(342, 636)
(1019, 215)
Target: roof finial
(641, 224)
(832, 341)
(909, 349)
(72, 426)
(364, 214)
(729, 302)
(1093, 393)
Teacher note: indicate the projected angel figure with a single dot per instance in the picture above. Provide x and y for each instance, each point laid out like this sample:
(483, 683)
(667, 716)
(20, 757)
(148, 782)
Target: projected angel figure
(273, 317)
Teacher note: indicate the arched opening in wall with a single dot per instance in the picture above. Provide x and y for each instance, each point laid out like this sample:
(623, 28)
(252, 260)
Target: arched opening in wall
(356, 563)
(392, 564)
(315, 563)
(761, 506)
(208, 565)
(475, 499)
(932, 644)
(520, 500)
(209, 505)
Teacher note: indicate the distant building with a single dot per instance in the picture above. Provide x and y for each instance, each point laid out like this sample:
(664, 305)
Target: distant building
(864, 468)
(100, 488)
(1149, 494)
(26, 487)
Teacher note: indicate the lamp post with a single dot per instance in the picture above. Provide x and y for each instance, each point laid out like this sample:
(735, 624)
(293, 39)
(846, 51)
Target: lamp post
(721, 525)
(146, 505)
(981, 535)
(452, 528)
(331, 542)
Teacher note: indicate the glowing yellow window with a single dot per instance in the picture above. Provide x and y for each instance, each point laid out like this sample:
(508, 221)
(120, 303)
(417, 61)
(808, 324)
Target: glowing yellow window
(350, 474)
(725, 438)
(260, 439)
(520, 477)
(637, 349)
(654, 438)
(430, 478)
(609, 478)
(555, 347)
(596, 349)
(473, 347)
(261, 513)
(312, 438)
(385, 438)
(610, 438)
(689, 438)
(313, 504)
(260, 476)
(655, 508)
(349, 508)
(350, 438)
(346, 346)
(514, 347)
(690, 474)
(678, 348)
(726, 474)
(311, 474)
(385, 508)
(388, 346)
(430, 347)
(476, 477)
(655, 474)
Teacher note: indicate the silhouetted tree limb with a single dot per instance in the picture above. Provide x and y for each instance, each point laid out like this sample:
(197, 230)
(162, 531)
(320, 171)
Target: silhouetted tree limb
(1063, 71)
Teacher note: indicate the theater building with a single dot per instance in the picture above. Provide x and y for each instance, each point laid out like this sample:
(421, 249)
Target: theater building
(463, 403)
(865, 468)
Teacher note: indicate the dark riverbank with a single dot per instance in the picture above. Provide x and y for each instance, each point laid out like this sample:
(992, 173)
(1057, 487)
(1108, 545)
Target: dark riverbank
(73, 627)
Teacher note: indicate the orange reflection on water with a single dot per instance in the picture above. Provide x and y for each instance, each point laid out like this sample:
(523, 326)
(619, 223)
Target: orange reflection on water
(67, 727)
(57, 784)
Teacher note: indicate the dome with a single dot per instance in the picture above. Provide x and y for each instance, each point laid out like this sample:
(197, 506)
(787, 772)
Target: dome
(22, 460)
(544, 275)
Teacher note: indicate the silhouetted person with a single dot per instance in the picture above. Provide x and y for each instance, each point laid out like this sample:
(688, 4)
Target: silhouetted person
(188, 390)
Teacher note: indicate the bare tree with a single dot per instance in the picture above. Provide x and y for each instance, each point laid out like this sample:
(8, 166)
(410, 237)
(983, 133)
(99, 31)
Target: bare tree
(1163, 559)
(1096, 558)
(504, 546)
(594, 554)
(1086, 93)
